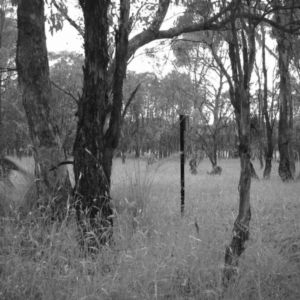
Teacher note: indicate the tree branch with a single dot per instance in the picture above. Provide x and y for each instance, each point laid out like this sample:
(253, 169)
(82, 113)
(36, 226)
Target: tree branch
(130, 100)
(121, 37)
(151, 33)
(66, 16)
(214, 23)
(66, 92)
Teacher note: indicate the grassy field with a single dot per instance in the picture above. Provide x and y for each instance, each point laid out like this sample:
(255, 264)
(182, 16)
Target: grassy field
(156, 253)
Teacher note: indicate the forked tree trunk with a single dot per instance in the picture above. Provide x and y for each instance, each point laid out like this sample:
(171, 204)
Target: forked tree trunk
(99, 121)
(210, 150)
(33, 74)
(240, 99)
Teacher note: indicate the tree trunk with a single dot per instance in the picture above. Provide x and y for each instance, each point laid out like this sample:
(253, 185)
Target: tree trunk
(33, 75)
(2, 146)
(99, 121)
(137, 146)
(2, 20)
(260, 123)
(253, 172)
(240, 98)
(215, 157)
(285, 145)
(241, 224)
(260, 156)
(193, 164)
(269, 129)
(123, 156)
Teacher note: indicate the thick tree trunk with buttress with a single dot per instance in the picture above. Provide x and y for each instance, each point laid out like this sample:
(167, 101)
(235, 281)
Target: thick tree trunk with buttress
(99, 121)
(33, 74)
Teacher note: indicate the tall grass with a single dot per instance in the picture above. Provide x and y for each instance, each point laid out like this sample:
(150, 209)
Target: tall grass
(157, 254)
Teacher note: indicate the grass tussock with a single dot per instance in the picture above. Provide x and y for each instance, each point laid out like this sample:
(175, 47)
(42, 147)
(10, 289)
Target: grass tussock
(157, 254)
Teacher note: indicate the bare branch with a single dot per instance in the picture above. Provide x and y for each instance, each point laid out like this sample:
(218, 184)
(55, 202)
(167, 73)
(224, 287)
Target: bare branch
(130, 100)
(66, 92)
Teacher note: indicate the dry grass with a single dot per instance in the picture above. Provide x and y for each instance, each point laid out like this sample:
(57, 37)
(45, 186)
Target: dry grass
(157, 254)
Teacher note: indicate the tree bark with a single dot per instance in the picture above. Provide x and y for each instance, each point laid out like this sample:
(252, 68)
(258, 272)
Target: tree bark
(285, 144)
(2, 24)
(242, 222)
(2, 146)
(260, 131)
(269, 129)
(33, 74)
(2, 20)
(240, 99)
(99, 121)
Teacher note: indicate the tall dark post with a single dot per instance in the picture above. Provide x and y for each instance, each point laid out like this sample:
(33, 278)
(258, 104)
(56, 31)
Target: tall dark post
(182, 120)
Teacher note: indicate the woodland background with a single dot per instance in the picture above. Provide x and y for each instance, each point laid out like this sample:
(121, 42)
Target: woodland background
(235, 74)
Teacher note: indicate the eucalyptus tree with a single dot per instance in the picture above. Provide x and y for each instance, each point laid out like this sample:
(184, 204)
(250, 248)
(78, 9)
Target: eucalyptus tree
(192, 58)
(269, 107)
(37, 95)
(210, 102)
(151, 118)
(296, 102)
(209, 134)
(100, 104)
(175, 98)
(241, 48)
(259, 133)
(285, 129)
(140, 113)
